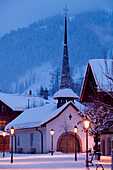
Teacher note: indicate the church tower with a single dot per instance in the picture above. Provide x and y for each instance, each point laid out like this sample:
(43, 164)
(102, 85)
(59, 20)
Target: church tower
(65, 93)
(65, 79)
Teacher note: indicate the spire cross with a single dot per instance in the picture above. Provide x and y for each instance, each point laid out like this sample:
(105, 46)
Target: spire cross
(65, 9)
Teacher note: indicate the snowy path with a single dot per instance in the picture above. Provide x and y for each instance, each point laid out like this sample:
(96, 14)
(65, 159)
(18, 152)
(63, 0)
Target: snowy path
(45, 162)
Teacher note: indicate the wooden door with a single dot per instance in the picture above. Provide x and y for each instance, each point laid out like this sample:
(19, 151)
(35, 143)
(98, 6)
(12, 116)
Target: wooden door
(67, 144)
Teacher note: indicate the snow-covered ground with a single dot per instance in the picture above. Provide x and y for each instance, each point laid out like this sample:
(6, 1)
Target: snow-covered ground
(45, 162)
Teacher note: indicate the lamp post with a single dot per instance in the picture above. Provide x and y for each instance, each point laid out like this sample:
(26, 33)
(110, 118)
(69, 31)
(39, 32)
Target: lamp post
(75, 131)
(86, 125)
(12, 133)
(4, 134)
(52, 133)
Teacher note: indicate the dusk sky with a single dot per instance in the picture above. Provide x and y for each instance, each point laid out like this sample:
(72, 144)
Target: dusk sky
(20, 13)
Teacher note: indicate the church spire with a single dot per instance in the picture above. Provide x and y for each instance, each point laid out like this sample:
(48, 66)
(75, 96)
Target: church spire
(65, 78)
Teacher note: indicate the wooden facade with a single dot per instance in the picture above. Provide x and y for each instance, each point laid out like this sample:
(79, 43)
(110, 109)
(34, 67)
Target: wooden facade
(66, 143)
(90, 91)
(6, 115)
(4, 141)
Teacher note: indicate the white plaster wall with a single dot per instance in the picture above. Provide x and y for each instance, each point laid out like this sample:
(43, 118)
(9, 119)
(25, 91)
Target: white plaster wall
(24, 136)
(58, 125)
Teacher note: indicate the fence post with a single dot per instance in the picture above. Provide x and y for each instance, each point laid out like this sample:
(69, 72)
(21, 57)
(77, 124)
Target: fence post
(112, 160)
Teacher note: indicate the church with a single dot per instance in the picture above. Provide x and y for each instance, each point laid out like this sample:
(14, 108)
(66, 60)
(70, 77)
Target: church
(33, 126)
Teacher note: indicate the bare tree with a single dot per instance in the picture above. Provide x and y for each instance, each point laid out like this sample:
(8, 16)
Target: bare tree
(100, 116)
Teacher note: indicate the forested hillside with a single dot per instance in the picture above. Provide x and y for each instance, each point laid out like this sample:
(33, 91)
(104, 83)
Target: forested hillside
(25, 50)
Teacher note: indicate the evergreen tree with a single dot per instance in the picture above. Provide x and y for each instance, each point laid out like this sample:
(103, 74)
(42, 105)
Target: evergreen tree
(41, 91)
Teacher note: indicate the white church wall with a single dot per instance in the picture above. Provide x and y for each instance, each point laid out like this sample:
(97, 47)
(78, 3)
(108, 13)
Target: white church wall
(61, 123)
(24, 143)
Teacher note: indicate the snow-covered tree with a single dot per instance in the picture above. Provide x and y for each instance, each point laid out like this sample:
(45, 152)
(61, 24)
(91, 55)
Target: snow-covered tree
(55, 81)
(41, 91)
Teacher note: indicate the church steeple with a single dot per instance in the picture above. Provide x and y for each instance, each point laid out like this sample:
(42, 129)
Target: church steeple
(65, 93)
(65, 78)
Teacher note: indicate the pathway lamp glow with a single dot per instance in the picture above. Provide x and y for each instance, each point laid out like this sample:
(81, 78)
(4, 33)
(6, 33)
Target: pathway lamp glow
(12, 133)
(52, 133)
(4, 135)
(86, 125)
(75, 132)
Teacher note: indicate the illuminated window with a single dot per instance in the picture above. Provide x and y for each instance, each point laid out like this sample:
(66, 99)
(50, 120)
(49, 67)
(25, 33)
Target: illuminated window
(3, 123)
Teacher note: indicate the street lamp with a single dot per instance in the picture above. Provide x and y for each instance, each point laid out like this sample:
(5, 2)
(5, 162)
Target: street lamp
(75, 131)
(52, 133)
(4, 134)
(12, 133)
(86, 125)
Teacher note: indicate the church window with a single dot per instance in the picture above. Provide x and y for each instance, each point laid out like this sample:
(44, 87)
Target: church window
(70, 116)
(31, 139)
(18, 140)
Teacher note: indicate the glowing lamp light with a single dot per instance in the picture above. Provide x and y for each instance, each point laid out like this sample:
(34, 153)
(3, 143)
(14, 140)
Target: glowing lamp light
(86, 124)
(75, 129)
(4, 133)
(52, 132)
(12, 130)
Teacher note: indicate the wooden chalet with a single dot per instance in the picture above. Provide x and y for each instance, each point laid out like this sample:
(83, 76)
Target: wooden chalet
(7, 114)
(11, 106)
(96, 85)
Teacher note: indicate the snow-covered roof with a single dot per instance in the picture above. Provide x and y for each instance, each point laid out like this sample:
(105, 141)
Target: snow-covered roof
(68, 93)
(101, 69)
(35, 117)
(20, 102)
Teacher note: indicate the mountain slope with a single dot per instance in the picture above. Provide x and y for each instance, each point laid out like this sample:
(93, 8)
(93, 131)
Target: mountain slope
(28, 48)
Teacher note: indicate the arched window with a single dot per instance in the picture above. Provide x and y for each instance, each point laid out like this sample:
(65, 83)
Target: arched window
(108, 146)
(111, 143)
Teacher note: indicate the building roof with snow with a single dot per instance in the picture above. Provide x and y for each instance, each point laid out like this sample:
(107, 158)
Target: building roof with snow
(102, 69)
(22, 102)
(67, 93)
(36, 117)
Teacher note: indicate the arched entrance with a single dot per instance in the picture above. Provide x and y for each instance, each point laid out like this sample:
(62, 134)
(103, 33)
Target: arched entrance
(66, 143)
